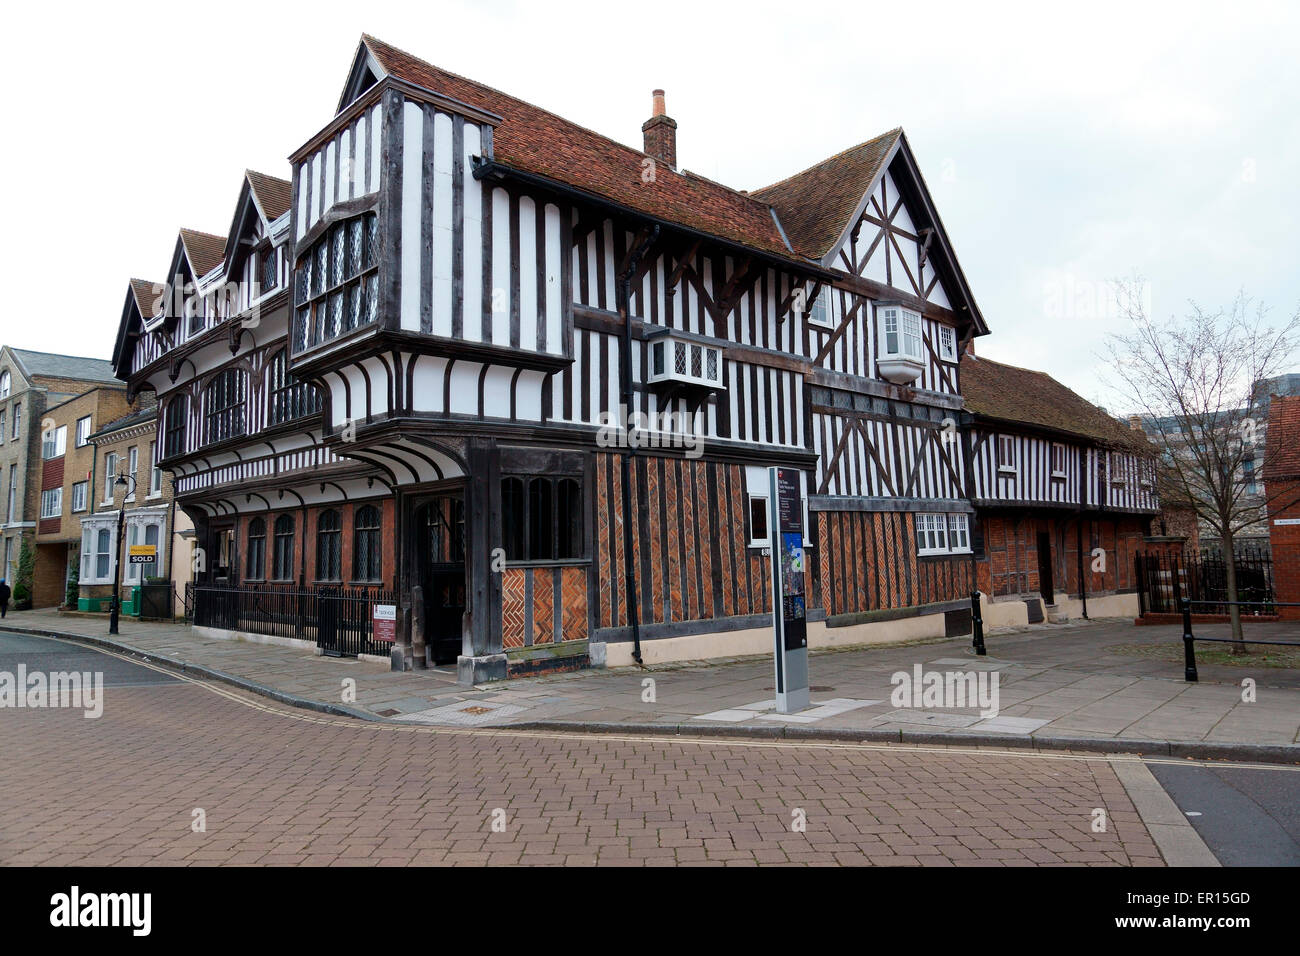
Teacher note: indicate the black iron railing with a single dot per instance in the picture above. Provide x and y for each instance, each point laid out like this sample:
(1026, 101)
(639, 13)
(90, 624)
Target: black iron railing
(337, 618)
(1189, 638)
(1165, 579)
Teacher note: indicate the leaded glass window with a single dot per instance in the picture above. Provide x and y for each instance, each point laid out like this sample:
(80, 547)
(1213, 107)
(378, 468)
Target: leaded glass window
(337, 282)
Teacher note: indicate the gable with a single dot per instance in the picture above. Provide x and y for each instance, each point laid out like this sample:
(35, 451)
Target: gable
(364, 74)
(867, 212)
(262, 200)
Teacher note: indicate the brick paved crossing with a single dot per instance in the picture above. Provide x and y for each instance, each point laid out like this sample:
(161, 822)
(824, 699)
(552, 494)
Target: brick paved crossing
(289, 787)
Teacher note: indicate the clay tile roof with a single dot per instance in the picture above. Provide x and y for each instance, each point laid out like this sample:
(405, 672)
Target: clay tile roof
(1014, 395)
(816, 204)
(272, 194)
(1283, 446)
(205, 250)
(146, 296)
(532, 140)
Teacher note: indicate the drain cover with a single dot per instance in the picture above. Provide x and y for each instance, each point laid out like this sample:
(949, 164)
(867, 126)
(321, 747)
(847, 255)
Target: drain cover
(476, 710)
(387, 713)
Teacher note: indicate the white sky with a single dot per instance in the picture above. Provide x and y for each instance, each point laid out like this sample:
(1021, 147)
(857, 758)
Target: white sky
(1064, 146)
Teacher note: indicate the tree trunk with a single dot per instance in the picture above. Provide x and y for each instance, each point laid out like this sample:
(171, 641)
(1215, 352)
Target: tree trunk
(1234, 612)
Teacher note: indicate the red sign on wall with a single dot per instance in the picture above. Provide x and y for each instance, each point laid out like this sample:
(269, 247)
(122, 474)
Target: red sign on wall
(383, 622)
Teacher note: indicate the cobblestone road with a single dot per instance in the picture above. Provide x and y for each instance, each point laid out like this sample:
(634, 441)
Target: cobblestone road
(282, 786)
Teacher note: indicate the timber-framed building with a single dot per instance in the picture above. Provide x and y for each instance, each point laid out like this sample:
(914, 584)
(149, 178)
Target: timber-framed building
(526, 382)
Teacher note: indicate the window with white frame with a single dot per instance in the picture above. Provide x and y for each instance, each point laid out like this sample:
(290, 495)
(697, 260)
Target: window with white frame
(682, 360)
(942, 534)
(54, 442)
(132, 469)
(1006, 453)
(83, 431)
(18, 420)
(947, 343)
(3, 433)
(820, 312)
(958, 533)
(96, 552)
(900, 333)
(80, 492)
(52, 503)
(931, 534)
(759, 537)
(4, 384)
(155, 473)
(1058, 460)
(110, 475)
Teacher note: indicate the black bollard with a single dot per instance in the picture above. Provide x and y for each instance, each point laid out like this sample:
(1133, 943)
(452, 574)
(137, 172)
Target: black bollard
(1189, 649)
(977, 624)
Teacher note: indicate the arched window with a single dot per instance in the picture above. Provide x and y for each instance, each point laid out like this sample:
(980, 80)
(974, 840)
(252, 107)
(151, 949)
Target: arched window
(541, 540)
(290, 398)
(4, 384)
(282, 560)
(178, 410)
(512, 518)
(568, 519)
(329, 546)
(257, 549)
(223, 406)
(367, 564)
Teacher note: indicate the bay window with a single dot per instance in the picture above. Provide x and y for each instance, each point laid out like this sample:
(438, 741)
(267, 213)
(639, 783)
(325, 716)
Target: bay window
(337, 283)
(899, 335)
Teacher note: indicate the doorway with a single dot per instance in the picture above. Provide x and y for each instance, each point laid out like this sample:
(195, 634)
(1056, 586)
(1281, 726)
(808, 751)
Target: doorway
(1046, 586)
(440, 570)
(223, 559)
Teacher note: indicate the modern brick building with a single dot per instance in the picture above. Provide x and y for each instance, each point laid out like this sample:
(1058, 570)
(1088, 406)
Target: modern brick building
(1282, 480)
(68, 486)
(126, 448)
(31, 383)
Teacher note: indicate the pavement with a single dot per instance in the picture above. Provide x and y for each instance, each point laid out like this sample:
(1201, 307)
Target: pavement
(1059, 687)
(170, 768)
(183, 771)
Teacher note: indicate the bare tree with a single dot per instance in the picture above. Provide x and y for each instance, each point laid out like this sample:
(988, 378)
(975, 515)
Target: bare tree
(1194, 379)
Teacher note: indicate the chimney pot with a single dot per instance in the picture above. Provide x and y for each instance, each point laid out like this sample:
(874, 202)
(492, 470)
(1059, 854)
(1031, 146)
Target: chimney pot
(660, 133)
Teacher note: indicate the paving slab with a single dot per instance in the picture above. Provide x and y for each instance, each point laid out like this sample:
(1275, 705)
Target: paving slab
(1101, 682)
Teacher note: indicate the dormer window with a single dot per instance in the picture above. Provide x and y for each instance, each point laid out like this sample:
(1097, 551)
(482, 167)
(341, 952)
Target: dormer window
(900, 359)
(680, 360)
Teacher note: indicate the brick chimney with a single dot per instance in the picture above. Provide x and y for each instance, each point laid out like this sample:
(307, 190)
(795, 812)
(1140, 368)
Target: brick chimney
(660, 132)
(1135, 422)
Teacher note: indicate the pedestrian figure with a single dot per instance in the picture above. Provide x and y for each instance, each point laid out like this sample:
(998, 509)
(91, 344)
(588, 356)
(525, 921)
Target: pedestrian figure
(4, 597)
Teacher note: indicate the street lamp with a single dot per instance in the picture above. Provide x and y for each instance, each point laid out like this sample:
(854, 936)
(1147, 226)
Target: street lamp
(121, 480)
